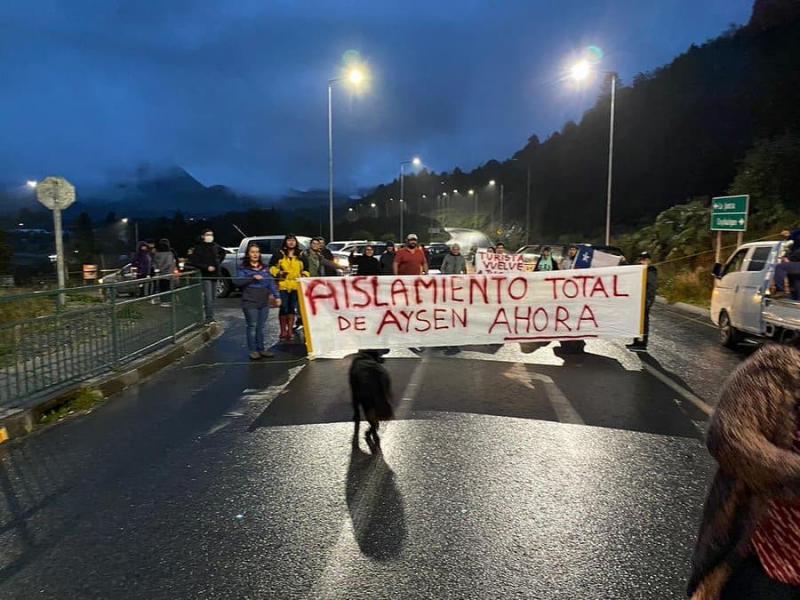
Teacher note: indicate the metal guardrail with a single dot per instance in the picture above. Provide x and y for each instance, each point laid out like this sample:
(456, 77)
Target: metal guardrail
(51, 339)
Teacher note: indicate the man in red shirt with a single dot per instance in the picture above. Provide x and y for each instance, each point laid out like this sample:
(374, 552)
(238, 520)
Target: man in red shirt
(410, 260)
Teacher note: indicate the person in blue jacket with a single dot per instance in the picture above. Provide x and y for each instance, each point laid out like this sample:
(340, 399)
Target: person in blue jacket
(259, 293)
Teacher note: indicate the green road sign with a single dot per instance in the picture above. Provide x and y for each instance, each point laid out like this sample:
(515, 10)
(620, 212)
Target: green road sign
(729, 213)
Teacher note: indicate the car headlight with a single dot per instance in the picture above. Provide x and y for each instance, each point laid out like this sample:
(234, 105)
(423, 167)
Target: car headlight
(342, 263)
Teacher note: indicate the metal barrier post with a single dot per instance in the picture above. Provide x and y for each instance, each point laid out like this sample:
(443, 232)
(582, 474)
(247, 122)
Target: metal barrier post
(173, 309)
(114, 331)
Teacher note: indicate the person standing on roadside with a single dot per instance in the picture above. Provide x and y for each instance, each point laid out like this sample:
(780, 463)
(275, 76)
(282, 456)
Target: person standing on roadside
(318, 265)
(748, 547)
(288, 266)
(454, 263)
(411, 259)
(143, 263)
(546, 261)
(640, 344)
(206, 257)
(164, 264)
(387, 259)
(500, 248)
(259, 292)
(366, 264)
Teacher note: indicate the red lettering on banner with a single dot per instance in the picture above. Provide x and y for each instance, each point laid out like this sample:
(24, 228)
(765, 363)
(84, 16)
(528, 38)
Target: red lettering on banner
(482, 285)
(575, 285)
(562, 314)
(555, 281)
(526, 318)
(355, 282)
(346, 293)
(499, 280)
(427, 284)
(360, 324)
(616, 292)
(375, 288)
(312, 295)
(454, 288)
(599, 287)
(398, 288)
(422, 317)
(461, 318)
(344, 324)
(389, 318)
(524, 283)
(541, 310)
(583, 279)
(407, 316)
(500, 321)
(587, 315)
(438, 317)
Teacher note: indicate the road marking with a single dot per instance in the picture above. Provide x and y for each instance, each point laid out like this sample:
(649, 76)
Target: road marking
(679, 389)
(560, 404)
(249, 396)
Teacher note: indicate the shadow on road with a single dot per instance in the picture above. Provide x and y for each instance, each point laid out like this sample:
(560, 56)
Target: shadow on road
(375, 505)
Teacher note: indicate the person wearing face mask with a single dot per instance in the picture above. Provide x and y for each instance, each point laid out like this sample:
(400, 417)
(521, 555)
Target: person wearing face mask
(206, 257)
(411, 259)
(288, 266)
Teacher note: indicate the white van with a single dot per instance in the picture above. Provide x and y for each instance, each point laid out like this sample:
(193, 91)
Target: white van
(740, 303)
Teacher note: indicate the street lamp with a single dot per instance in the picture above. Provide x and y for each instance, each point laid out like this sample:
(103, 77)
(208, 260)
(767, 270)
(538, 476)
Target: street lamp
(416, 161)
(32, 184)
(355, 76)
(493, 183)
(580, 72)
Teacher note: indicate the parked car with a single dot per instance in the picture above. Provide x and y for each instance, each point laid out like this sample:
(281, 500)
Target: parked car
(124, 275)
(338, 246)
(269, 244)
(741, 305)
(436, 253)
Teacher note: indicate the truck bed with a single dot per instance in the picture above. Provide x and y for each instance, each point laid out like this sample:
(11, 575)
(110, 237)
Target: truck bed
(783, 313)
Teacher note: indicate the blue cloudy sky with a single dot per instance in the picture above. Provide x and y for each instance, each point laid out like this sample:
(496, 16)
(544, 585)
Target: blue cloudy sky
(235, 90)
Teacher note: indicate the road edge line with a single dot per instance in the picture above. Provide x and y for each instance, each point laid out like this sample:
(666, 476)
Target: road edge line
(674, 386)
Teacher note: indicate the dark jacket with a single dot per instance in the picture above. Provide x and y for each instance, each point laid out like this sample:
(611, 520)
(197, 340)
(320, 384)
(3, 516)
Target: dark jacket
(318, 265)
(255, 293)
(751, 436)
(207, 255)
(652, 285)
(164, 262)
(143, 262)
(366, 265)
(387, 263)
(371, 386)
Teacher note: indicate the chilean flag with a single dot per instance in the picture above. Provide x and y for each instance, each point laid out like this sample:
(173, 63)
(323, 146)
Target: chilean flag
(584, 258)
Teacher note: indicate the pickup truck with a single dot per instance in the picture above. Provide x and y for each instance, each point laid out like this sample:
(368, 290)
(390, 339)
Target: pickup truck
(269, 244)
(741, 305)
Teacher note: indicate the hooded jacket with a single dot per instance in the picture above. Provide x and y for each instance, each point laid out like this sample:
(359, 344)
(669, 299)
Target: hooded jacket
(751, 436)
(287, 270)
(143, 262)
(205, 255)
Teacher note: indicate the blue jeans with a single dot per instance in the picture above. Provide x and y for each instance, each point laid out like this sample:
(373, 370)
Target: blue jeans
(289, 303)
(792, 271)
(209, 295)
(256, 319)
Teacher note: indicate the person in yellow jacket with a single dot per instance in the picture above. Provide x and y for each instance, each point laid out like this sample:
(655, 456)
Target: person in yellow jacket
(287, 266)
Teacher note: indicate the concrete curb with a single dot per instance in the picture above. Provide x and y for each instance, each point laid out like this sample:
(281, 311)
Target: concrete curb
(696, 311)
(20, 421)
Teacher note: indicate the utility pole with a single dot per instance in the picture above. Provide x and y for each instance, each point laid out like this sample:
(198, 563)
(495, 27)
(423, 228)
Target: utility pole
(528, 209)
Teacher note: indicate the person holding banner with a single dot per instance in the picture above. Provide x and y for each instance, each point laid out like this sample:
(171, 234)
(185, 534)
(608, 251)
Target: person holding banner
(640, 344)
(288, 266)
(387, 259)
(454, 263)
(410, 260)
(499, 248)
(366, 264)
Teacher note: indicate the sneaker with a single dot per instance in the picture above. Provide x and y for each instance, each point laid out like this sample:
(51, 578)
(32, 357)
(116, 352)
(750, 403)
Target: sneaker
(266, 354)
(255, 356)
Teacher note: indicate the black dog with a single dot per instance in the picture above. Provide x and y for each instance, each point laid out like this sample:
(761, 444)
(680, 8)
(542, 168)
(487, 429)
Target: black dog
(371, 387)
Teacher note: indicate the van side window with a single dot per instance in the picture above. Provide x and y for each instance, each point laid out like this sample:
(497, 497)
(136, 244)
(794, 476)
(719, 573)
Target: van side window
(759, 259)
(734, 265)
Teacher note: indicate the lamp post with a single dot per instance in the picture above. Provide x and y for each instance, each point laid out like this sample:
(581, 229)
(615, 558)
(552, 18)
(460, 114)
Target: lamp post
(354, 76)
(580, 72)
(416, 162)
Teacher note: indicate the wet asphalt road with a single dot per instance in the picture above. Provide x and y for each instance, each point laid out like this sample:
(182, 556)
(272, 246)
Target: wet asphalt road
(508, 474)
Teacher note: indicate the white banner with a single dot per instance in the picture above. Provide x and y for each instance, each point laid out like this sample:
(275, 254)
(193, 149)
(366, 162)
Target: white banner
(352, 313)
(491, 263)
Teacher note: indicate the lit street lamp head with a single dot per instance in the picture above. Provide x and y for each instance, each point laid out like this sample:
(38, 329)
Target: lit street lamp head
(31, 183)
(492, 182)
(416, 161)
(355, 76)
(580, 71)
(471, 192)
(125, 220)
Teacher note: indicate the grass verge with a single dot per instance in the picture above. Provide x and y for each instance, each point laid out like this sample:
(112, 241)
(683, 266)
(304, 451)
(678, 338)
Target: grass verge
(84, 400)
